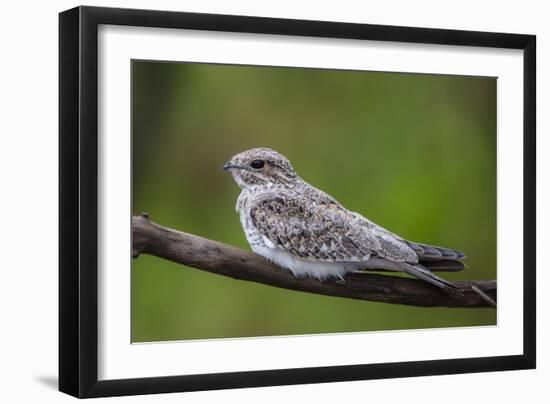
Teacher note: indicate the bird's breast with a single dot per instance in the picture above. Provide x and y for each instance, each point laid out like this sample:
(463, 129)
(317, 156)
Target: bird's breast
(253, 236)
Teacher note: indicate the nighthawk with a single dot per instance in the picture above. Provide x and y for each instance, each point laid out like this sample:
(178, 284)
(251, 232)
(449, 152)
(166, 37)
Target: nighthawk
(305, 230)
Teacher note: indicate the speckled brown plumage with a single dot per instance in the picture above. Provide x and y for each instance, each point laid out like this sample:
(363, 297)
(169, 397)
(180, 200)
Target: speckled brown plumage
(307, 231)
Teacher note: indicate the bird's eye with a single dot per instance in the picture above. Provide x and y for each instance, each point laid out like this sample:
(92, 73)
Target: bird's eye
(257, 164)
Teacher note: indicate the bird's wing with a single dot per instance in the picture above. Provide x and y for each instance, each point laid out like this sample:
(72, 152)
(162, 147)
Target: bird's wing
(424, 252)
(322, 230)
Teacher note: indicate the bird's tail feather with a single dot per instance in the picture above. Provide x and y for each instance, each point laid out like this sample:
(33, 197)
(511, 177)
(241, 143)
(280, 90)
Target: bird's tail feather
(443, 265)
(428, 252)
(425, 274)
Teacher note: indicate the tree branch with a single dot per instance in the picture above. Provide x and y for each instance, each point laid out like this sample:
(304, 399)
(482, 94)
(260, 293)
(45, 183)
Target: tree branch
(222, 259)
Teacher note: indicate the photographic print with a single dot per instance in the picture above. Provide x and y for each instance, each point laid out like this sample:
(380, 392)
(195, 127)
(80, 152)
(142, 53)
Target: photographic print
(239, 194)
(333, 176)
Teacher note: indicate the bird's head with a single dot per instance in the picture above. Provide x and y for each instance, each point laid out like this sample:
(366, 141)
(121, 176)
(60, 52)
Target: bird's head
(261, 167)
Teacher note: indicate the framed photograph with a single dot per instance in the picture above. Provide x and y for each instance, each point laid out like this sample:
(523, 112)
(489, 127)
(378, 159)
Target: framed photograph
(251, 201)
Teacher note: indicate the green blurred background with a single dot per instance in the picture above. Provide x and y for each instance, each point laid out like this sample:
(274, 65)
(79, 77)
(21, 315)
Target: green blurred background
(415, 153)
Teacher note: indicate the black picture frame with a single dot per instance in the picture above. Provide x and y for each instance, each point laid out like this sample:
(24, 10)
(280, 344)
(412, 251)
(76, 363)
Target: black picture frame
(78, 196)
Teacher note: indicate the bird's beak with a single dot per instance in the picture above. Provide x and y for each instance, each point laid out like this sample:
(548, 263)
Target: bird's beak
(229, 165)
